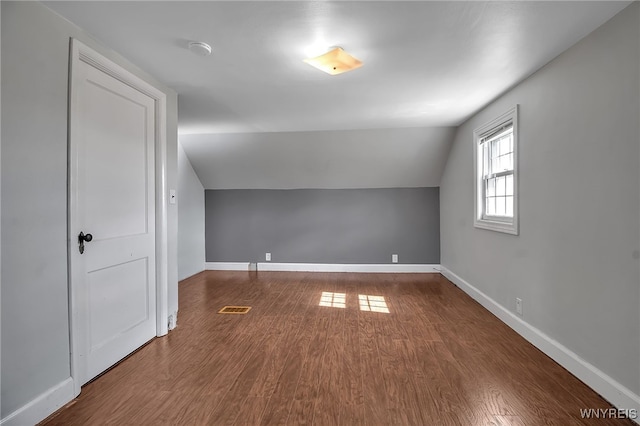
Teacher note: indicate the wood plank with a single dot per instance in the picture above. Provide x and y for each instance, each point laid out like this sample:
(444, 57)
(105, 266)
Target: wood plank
(437, 358)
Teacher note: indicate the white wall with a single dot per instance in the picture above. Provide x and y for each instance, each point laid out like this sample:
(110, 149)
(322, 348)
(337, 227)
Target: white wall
(575, 263)
(35, 328)
(190, 219)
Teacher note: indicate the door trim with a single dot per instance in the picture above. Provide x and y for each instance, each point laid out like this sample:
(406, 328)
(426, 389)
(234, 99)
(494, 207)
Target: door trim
(79, 52)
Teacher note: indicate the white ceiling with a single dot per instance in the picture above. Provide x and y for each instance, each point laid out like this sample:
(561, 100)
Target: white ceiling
(426, 64)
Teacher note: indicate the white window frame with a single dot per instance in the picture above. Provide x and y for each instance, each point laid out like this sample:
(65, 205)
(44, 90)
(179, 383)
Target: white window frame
(481, 220)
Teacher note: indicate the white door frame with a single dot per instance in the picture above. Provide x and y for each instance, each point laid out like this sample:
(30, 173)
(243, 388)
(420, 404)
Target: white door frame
(79, 52)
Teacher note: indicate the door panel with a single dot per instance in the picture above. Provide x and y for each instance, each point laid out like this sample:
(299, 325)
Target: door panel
(113, 190)
(117, 150)
(118, 288)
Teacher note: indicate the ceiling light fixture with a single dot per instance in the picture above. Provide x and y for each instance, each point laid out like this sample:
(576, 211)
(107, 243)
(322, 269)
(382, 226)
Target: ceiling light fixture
(200, 48)
(336, 61)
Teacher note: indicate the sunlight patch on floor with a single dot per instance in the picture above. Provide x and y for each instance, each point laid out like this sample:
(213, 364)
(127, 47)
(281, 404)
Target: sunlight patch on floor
(334, 300)
(373, 303)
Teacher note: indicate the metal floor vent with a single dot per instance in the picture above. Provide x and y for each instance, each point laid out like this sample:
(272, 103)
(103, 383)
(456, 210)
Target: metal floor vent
(234, 310)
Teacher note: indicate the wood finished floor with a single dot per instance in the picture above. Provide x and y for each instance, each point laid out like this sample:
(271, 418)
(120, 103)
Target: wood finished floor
(437, 358)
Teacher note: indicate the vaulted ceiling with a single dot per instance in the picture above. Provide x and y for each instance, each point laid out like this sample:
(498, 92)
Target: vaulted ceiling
(427, 65)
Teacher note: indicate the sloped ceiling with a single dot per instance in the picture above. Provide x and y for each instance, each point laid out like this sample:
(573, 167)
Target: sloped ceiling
(254, 106)
(325, 159)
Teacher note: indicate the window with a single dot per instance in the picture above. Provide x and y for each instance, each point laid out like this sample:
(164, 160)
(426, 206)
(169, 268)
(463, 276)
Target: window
(495, 149)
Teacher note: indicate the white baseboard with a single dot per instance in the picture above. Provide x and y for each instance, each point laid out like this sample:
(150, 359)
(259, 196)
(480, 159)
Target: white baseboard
(617, 394)
(326, 267)
(41, 407)
(348, 267)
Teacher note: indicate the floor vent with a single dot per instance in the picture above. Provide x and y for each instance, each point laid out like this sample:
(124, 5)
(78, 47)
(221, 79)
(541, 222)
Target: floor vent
(234, 310)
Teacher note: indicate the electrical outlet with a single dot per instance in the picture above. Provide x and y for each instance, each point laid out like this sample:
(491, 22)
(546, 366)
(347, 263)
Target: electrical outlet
(394, 258)
(267, 257)
(519, 306)
(173, 321)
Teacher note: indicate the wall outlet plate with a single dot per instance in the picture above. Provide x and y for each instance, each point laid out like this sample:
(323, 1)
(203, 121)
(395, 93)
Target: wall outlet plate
(519, 306)
(267, 257)
(173, 321)
(394, 258)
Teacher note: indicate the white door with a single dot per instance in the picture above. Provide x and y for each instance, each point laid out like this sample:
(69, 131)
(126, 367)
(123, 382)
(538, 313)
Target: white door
(112, 198)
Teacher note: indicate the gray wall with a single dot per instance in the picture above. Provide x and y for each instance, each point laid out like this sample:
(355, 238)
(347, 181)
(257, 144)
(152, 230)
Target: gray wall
(35, 329)
(575, 263)
(323, 225)
(190, 219)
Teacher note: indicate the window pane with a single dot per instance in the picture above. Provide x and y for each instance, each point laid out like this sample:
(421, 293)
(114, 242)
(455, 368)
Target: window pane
(509, 182)
(491, 187)
(495, 148)
(491, 206)
(504, 164)
(505, 146)
(495, 165)
(509, 204)
(500, 185)
(501, 209)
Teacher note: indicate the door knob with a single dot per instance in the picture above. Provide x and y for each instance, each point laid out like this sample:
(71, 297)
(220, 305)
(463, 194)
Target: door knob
(81, 239)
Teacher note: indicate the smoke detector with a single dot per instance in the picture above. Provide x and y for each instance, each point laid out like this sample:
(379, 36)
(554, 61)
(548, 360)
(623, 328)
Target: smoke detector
(200, 48)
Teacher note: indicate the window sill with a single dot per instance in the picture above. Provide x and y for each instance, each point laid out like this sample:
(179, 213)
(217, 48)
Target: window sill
(497, 226)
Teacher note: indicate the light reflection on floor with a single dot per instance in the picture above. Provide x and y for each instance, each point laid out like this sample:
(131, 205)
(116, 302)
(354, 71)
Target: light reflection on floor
(373, 303)
(334, 300)
(368, 303)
